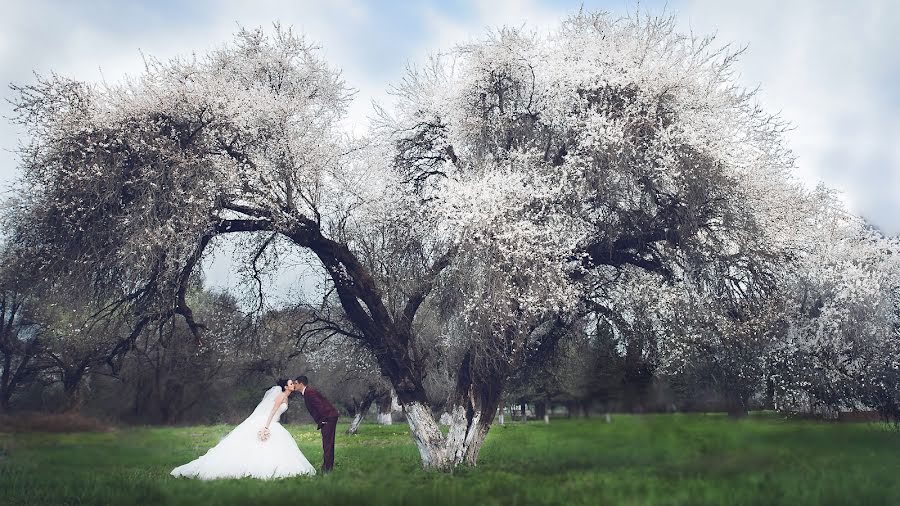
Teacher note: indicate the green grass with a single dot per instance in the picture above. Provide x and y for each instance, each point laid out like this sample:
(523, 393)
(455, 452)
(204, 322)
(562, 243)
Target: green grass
(660, 459)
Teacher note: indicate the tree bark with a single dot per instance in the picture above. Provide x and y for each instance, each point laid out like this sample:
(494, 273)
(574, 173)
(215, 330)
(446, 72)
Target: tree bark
(6, 386)
(74, 400)
(385, 408)
(427, 435)
(14, 373)
(360, 411)
(737, 405)
(354, 425)
(540, 409)
(479, 391)
(72, 379)
(469, 426)
(473, 405)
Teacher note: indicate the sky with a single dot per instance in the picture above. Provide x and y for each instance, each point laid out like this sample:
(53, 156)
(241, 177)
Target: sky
(828, 67)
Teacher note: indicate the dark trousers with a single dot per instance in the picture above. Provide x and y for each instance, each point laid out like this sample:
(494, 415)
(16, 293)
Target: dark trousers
(328, 431)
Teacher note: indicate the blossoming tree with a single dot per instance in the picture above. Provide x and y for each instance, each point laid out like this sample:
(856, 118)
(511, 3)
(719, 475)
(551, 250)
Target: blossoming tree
(841, 346)
(513, 182)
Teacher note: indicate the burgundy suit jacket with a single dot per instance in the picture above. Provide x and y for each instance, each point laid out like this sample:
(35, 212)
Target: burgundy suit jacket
(318, 406)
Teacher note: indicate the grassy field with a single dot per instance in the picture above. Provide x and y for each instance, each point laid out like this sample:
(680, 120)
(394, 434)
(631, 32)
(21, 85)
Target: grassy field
(660, 459)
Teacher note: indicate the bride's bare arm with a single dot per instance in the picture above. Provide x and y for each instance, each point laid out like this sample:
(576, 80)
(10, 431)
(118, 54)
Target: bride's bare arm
(278, 401)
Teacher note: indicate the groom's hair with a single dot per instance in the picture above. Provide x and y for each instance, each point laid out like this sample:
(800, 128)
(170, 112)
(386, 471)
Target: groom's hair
(302, 379)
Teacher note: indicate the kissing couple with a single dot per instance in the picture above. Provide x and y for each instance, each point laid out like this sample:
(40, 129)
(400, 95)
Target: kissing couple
(259, 447)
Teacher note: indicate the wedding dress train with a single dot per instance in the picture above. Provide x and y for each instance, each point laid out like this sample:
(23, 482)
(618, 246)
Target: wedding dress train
(241, 454)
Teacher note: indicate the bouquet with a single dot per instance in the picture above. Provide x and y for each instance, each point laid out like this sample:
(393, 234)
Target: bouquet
(263, 434)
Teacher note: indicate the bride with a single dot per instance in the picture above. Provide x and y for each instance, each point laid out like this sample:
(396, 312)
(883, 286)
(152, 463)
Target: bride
(241, 453)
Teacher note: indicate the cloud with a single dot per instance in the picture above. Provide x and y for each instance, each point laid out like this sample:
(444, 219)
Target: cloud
(830, 69)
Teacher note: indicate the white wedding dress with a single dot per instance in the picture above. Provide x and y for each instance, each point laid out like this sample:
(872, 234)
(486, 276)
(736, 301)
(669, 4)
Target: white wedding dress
(241, 453)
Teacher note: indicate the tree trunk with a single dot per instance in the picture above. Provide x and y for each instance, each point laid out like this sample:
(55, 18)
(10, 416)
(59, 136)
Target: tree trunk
(524, 412)
(737, 405)
(14, 375)
(501, 409)
(385, 407)
(354, 425)
(361, 412)
(467, 434)
(468, 429)
(475, 401)
(473, 406)
(73, 399)
(138, 406)
(72, 390)
(5, 383)
(540, 409)
(427, 435)
(170, 399)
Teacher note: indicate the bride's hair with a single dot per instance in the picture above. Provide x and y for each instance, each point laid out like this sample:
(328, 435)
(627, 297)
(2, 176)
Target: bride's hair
(282, 382)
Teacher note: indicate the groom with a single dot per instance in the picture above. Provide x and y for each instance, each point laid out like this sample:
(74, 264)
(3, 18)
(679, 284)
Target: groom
(324, 414)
